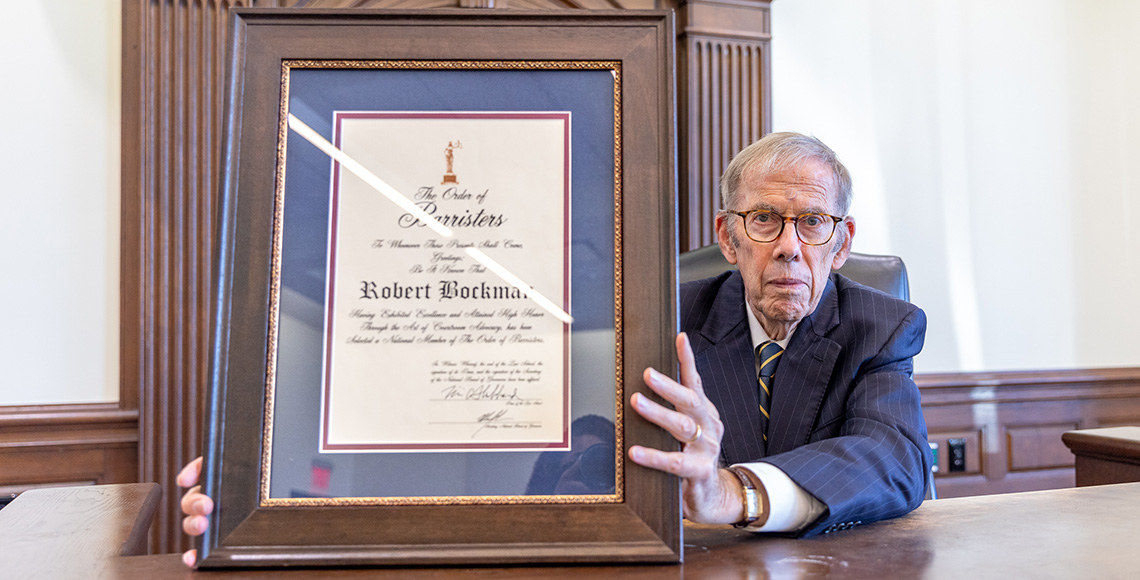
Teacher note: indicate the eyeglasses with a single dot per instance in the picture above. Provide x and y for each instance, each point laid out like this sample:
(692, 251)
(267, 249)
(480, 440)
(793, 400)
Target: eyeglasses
(813, 229)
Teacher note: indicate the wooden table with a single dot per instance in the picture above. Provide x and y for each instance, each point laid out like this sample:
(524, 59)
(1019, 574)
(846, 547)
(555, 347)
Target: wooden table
(1105, 455)
(1071, 533)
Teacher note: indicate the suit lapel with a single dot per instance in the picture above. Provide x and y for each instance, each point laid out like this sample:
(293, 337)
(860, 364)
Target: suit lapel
(803, 376)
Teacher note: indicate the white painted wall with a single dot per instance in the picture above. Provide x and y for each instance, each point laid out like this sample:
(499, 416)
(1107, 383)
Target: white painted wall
(59, 201)
(995, 146)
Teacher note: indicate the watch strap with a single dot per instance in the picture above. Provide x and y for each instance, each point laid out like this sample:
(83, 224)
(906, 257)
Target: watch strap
(755, 498)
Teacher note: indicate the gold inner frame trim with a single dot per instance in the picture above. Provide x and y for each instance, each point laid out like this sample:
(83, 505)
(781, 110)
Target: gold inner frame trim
(275, 286)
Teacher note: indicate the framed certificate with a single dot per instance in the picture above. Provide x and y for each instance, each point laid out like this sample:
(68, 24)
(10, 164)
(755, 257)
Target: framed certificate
(446, 253)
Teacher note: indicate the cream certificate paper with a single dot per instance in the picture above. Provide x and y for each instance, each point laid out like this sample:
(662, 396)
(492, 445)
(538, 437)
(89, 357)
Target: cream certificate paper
(426, 348)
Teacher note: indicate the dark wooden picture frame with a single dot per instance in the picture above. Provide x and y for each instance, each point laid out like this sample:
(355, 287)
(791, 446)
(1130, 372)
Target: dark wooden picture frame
(643, 523)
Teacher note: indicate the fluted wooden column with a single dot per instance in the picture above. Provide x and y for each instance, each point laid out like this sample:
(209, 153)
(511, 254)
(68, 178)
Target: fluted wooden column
(724, 93)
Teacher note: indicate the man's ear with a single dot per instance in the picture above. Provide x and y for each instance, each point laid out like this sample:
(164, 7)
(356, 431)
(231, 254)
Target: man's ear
(844, 250)
(724, 239)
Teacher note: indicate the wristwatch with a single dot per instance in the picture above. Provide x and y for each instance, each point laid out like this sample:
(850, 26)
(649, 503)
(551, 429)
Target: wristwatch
(755, 499)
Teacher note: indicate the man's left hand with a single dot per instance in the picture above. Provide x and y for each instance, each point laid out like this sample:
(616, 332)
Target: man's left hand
(711, 495)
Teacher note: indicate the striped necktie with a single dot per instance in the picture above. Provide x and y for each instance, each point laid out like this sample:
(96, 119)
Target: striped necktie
(768, 354)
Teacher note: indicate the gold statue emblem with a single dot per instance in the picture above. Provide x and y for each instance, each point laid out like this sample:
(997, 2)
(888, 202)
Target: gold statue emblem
(449, 154)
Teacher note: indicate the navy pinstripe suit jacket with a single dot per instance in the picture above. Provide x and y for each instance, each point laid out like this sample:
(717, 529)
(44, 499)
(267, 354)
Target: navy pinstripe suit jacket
(846, 422)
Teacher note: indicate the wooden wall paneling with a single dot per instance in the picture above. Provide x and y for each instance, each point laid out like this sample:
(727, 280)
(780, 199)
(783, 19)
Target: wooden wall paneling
(1038, 446)
(48, 445)
(1013, 422)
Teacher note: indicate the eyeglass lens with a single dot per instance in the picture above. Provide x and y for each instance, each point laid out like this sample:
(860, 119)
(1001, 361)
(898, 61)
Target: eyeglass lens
(765, 226)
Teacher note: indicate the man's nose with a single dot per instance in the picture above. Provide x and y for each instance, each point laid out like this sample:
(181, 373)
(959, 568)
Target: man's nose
(788, 245)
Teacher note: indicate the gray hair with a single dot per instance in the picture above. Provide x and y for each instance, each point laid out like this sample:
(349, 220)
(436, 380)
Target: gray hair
(778, 151)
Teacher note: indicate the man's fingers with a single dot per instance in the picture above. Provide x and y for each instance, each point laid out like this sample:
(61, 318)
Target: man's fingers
(689, 375)
(675, 462)
(682, 427)
(196, 503)
(679, 395)
(195, 525)
(190, 474)
(693, 410)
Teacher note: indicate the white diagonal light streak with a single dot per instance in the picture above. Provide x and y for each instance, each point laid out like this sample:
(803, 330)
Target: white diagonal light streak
(367, 176)
(517, 282)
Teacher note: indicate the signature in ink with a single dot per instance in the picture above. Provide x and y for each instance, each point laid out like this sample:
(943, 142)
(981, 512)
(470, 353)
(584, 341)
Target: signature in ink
(491, 417)
(481, 393)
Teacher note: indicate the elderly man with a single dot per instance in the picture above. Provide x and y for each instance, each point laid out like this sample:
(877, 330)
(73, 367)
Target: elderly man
(834, 436)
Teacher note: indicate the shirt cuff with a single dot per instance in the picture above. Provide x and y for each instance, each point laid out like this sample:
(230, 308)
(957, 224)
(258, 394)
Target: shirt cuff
(790, 508)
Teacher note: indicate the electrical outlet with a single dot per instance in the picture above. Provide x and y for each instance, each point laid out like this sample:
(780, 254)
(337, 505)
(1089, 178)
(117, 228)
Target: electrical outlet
(956, 451)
